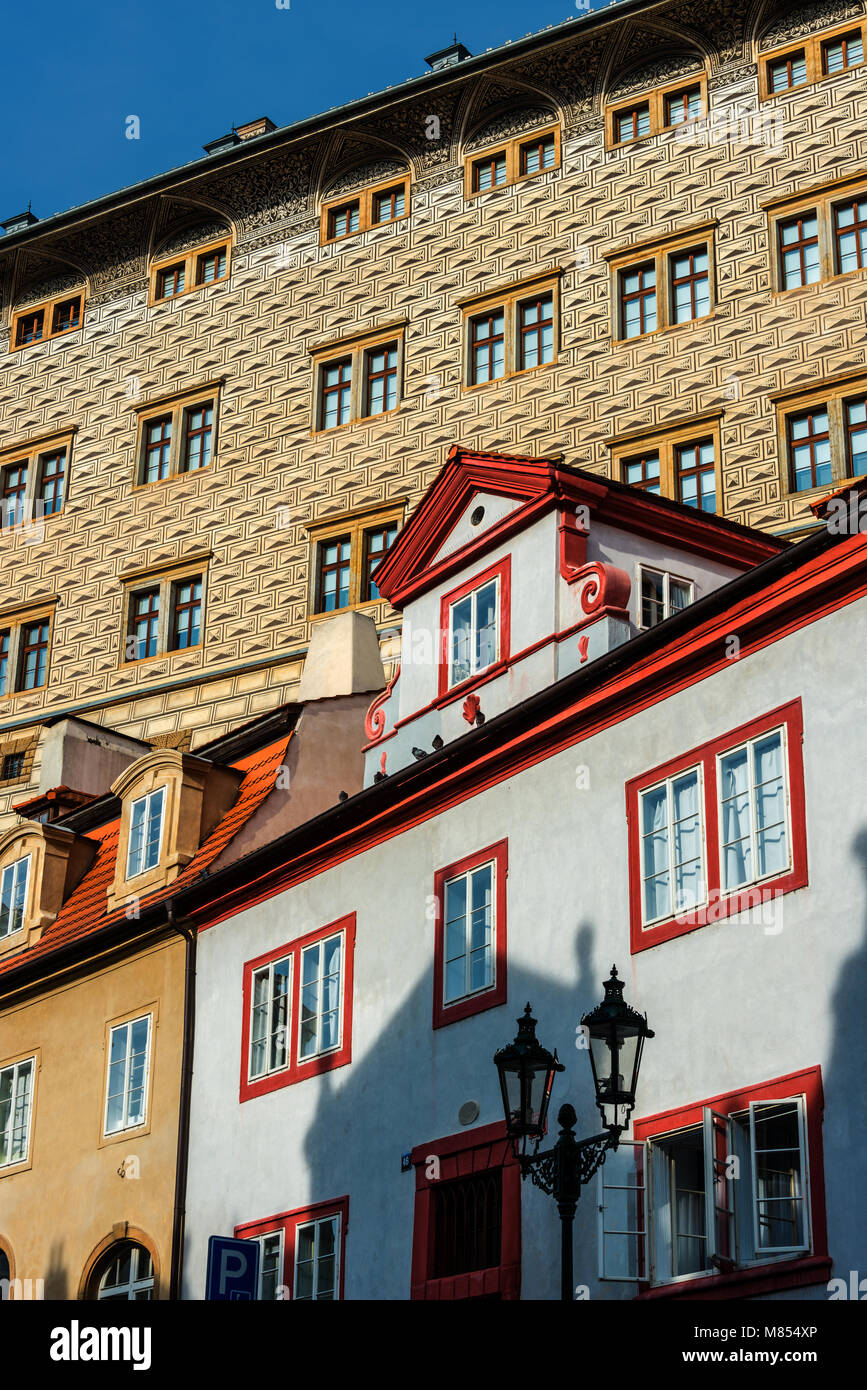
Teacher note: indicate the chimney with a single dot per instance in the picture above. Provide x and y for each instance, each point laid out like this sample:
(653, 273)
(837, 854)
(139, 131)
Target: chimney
(251, 129)
(448, 57)
(343, 659)
(239, 133)
(86, 756)
(19, 222)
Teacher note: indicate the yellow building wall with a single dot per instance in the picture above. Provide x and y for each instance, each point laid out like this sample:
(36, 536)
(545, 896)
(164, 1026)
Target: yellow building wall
(56, 1212)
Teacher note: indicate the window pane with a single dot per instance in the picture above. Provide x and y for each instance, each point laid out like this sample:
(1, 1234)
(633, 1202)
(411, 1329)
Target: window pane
(462, 617)
(779, 1185)
(486, 621)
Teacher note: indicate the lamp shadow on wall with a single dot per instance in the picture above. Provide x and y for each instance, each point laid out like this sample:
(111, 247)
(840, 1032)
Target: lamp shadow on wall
(407, 1090)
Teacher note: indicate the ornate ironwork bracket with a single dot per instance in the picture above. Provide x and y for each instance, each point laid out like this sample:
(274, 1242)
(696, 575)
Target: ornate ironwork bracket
(562, 1171)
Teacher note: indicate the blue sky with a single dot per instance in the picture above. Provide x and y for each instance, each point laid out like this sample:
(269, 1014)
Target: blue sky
(189, 69)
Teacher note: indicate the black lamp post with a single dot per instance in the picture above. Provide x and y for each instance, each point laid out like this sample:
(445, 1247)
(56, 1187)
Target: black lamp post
(616, 1036)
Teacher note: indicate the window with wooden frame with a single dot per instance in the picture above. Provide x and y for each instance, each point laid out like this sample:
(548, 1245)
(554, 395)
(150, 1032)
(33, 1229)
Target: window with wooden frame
(344, 554)
(302, 1253)
(718, 831)
(470, 940)
(678, 1218)
(164, 611)
(663, 284)
(811, 60)
(34, 479)
(820, 235)
(475, 622)
(52, 319)
(681, 462)
(357, 378)
(822, 435)
(25, 646)
(515, 331)
(177, 436)
(373, 207)
(512, 161)
(651, 113)
(196, 269)
(128, 1075)
(467, 1223)
(297, 1010)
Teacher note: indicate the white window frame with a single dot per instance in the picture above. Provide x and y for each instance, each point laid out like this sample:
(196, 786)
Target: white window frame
(147, 799)
(474, 630)
(782, 730)
(320, 945)
(129, 1024)
(260, 1241)
(17, 871)
(668, 783)
(269, 969)
(762, 1253)
(316, 1223)
(16, 1069)
(134, 1284)
(639, 1148)
(667, 577)
(470, 993)
(721, 1200)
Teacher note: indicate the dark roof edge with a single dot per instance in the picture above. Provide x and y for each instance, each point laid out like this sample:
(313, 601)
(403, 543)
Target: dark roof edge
(83, 212)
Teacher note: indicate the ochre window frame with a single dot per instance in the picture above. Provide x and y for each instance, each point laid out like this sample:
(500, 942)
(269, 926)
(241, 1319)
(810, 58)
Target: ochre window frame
(665, 441)
(32, 452)
(365, 199)
(813, 49)
(176, 406)
(14, 620)
(356, 348)
(822, 200)
(355, 525)
(512, 150)
(162, 577)
(661, 251)
(48, 308)
(656, 98)
(832, 395)
(189, 260)
(509, 299)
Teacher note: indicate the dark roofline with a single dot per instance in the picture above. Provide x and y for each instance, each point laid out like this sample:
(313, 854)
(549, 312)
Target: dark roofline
(617, 9)
(417, 776)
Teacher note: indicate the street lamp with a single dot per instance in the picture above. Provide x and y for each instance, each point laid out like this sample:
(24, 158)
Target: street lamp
(616, 1035)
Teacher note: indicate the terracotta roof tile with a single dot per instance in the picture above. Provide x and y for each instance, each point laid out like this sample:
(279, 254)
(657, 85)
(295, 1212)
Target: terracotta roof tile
(84, 911)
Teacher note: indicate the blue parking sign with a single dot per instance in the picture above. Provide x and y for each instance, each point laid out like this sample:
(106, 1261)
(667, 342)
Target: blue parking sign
(233, 1268)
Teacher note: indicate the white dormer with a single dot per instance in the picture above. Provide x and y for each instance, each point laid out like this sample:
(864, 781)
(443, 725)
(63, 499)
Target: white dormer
(513, 573)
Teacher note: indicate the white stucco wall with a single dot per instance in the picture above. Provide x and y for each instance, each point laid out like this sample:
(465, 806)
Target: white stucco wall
(730, 1004)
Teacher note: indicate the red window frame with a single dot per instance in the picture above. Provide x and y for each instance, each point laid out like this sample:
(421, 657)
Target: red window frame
(502, 571)
(752, 1280)
(299, 1071)
(490, 998)
(288, 1222)
(720, 903)
(30, 328)
(52, 479)
(461, 1155)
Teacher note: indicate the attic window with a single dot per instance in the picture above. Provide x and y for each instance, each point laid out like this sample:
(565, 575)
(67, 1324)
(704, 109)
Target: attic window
(13, 895)
(146, 832)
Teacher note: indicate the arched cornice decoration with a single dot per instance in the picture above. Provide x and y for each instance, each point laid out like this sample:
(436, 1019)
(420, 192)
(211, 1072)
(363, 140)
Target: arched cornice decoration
(770, 24)
(509, 120)
(37, 276)
(356, 158)
(490, 102)
(179, 224)
(646, 56)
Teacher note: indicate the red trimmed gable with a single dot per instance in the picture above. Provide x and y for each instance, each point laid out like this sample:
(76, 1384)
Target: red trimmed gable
(415, 562)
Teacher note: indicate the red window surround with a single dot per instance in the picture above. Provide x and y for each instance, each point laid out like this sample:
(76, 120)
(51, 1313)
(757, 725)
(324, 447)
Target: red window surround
(461, 1155)
(298, 1070)
(288, 1222)
(502, 570)
(720, 904)
(496, 994)
(802, 1270)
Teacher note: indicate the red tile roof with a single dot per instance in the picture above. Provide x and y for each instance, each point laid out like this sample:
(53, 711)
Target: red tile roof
(84, 911)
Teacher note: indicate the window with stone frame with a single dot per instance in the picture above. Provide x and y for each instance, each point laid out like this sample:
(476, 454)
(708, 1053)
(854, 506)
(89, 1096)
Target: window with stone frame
(818, 57)
(363, 209)
(510, 161)
(358, 379)
(344, 554)
(665, 283)
(822, 435)
(199, 267)
(25, 649)
(164, 611)
(34, 481)
(177, 436)
(511, 332)
(680, 462)
(51, 319)
(819, 234)
(655, 110)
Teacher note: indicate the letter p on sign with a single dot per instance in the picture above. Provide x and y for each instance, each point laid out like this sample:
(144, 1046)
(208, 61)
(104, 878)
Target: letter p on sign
(233, 1269)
